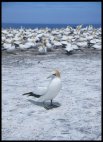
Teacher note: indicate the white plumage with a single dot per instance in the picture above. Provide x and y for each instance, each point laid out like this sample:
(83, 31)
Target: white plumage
(51, 91)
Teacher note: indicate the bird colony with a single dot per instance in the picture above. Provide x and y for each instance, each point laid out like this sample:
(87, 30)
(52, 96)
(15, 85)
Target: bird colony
(45, 40)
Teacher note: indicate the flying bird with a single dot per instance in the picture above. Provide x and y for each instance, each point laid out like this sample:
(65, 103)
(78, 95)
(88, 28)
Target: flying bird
(51, 91)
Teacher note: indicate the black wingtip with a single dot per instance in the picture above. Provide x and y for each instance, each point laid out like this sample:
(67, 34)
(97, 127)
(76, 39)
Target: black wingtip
(32, 94)
(35, 95)
(27, 93)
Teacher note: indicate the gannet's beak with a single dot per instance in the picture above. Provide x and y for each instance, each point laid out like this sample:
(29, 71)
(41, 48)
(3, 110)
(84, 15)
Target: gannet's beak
(50, 76)
(54, 74)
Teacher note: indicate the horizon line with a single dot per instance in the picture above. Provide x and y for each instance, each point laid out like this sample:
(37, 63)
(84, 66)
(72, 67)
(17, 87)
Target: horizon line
(49, 23)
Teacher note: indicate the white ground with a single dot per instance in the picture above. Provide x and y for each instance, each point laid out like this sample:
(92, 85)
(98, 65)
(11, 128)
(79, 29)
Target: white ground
(78, 117)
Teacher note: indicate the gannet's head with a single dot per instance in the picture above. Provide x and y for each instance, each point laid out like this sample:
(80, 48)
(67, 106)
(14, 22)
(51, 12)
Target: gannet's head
(55, 73)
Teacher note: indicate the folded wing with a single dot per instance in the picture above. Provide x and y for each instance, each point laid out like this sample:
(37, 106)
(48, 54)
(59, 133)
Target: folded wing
(40, 91)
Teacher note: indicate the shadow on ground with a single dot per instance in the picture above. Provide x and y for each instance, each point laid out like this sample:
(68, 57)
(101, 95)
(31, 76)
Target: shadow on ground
(46, 105)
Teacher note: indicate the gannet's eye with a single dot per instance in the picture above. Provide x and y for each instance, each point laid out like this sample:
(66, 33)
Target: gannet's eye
(54, 74)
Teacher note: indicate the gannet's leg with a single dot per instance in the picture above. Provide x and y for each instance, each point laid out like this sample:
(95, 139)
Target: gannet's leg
(54, 105)
(47, 106)
(51, 102)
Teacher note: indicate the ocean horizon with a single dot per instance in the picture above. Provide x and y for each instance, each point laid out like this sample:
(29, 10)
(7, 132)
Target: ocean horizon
(33, 25)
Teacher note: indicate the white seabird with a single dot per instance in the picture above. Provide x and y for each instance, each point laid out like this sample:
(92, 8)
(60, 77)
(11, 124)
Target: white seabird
(51, 91)
(42, 47)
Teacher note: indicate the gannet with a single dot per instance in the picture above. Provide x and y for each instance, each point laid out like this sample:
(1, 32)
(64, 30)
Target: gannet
(9, 46)
(51, 91)
(42, 48)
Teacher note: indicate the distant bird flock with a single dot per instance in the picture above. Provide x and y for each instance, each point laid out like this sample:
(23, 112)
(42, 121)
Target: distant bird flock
(45, 40)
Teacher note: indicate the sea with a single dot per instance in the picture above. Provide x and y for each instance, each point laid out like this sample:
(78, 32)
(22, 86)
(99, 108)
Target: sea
(32, 26)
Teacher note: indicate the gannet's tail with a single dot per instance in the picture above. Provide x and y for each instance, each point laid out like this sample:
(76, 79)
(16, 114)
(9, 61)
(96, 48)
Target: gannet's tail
(32, 94)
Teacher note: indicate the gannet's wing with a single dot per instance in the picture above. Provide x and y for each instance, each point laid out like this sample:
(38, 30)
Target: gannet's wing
(38, 92)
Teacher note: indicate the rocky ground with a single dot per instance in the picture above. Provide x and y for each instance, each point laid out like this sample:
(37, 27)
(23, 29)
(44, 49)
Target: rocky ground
(79, 114)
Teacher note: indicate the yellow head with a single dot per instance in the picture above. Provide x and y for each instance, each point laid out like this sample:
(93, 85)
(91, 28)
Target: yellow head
(55, 73)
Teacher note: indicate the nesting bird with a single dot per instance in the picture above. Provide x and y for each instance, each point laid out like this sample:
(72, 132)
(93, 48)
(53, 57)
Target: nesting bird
(42, 48)
(51, 39)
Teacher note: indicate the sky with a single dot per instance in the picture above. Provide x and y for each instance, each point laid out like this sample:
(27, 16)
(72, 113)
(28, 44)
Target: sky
(52, 12)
